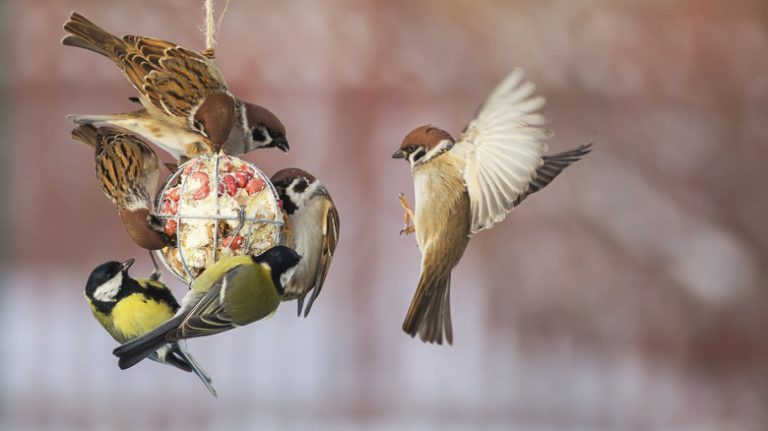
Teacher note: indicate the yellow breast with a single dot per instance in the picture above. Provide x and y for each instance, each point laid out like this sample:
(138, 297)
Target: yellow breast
(134, 315)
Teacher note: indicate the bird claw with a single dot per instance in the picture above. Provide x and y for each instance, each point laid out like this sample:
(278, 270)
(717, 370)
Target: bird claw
(408, 216)
(407, 230)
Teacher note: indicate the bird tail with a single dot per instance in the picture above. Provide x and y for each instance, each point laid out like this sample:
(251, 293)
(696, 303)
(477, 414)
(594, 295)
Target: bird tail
(430, 311)
(86, 119)
(87, 134)
(132, 352)
(87, 35)
(552, 167)
(180, 354)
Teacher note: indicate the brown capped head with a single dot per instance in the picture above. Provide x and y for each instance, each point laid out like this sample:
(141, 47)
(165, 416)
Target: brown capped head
(140, 230)
(421, 139)
(266, 130)
(216, 118)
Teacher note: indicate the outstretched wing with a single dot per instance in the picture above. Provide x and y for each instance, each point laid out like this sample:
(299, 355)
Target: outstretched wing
(502, 147)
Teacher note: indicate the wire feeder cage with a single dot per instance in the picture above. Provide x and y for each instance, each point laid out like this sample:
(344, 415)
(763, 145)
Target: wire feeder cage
(239, 214)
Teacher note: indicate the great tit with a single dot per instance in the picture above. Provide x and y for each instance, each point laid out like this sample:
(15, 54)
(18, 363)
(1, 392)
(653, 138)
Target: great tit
(128, 308)
(234, 291)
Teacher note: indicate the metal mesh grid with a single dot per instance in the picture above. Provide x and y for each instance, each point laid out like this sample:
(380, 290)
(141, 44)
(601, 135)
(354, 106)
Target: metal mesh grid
(215, 217)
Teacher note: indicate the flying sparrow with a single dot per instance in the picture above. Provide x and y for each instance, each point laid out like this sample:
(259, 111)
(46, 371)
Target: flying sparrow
(188, 109)
(128, 170)
(465, 186)
(313, 223)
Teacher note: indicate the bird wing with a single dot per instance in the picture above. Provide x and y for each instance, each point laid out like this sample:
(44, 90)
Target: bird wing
(502, 149)
(126, 167)
(174, 79)
(208, 316)
(330, 239)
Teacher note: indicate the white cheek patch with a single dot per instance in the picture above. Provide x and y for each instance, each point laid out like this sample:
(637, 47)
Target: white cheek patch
(286, 276)
(107, 292)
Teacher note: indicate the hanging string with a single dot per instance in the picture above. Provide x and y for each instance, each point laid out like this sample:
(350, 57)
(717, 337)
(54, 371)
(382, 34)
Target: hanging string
(211, 27)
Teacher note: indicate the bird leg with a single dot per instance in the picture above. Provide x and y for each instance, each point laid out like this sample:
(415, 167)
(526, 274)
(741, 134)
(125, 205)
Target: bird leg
(408, 216)
(156, 274)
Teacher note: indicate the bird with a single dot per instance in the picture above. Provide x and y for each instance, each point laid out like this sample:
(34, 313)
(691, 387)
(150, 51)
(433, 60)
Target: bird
(234, 291)
(465, 186)
(188, 108)
(127, 169)
(314, 232)
(128, 308)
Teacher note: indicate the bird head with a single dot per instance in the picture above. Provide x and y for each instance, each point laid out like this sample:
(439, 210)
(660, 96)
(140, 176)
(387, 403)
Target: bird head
(264, 128)
(423, 144)
(282, 262)
(216, 117)
(294, 187)
(106, 281)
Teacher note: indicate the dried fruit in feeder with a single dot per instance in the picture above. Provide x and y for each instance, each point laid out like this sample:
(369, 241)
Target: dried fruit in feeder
(192, 213)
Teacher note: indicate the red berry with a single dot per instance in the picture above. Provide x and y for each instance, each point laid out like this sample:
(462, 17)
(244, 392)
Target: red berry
(242, 178)
(173, 194)
(170, 227)
(231, 184)
(234, 243)
(204, 188)
(254, 186)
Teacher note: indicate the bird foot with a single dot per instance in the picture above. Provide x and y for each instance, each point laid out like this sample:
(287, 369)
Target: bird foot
(408, 216)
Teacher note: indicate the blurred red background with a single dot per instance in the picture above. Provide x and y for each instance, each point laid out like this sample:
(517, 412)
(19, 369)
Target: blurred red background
(629, 294)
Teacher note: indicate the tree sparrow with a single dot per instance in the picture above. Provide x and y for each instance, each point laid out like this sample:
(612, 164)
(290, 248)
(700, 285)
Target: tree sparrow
(128, 170)
(313, 226)
(466, 186)
(188, 109)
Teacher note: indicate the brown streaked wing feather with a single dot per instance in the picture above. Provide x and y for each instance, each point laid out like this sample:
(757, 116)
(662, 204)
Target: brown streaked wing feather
(174, 79)
(330, 239)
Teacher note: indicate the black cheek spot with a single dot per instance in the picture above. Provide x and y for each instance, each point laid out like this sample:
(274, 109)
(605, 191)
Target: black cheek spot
(258, 135)
(300, 186)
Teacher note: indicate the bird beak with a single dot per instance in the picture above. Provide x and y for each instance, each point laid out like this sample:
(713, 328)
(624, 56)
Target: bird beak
(399, 154)
(127, 264)
(282, 144)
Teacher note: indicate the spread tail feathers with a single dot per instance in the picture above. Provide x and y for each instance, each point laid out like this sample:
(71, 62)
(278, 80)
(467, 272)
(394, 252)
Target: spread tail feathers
(85, 34)
(430, 311)
(132, 352)
(552, 167)
(86, 134)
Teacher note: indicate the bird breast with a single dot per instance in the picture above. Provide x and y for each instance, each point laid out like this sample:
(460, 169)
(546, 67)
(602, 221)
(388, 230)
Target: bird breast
(440, 197)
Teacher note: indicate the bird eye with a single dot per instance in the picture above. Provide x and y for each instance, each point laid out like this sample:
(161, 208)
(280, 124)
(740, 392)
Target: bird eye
(410, 148)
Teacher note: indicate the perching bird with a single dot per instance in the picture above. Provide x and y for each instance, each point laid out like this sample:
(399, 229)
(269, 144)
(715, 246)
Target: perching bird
(128, 308)
(234, 291)
(188, 109)
(467, 186)
(313, 225)
(128, 170)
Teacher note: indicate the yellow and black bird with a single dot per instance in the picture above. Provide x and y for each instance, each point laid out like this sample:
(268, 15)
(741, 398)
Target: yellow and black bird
(128, 308)
(234, 291)
(128, 170)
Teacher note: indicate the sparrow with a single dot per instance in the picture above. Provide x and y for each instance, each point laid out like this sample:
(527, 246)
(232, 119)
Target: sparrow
(128, 170)
(465, 186)
(313, 226)
(234, 291)
(188, 109)
(128, 308)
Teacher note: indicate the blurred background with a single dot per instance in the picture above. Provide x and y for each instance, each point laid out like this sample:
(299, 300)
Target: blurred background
(630, 294)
